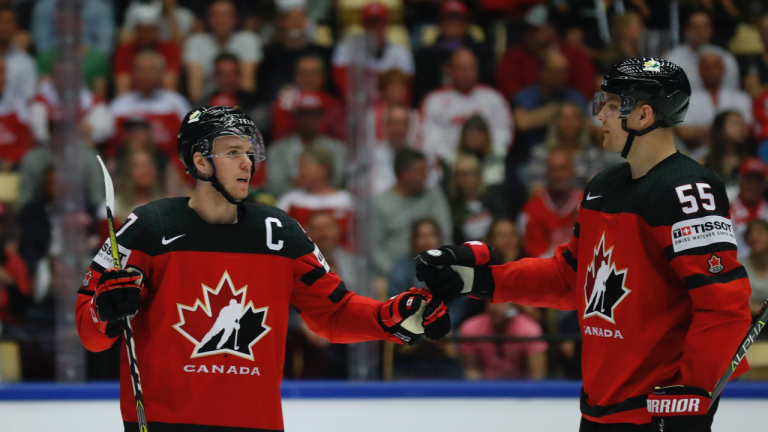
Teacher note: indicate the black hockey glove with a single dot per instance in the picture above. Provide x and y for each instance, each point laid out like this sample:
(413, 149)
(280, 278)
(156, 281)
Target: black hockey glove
(413, 313)
(680, 409)
(118, 295)
(452, 271)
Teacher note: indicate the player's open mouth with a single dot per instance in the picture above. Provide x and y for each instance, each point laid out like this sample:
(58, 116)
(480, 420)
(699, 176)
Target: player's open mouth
(243, 179)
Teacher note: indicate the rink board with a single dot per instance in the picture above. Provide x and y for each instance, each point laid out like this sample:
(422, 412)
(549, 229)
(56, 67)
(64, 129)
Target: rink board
(370, 407)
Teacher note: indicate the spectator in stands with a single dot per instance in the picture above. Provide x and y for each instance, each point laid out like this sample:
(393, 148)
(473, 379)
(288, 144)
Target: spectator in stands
(229, 90)
(538, 105)
(146, 36)
(473, 205)
(712, 99)
(308, 76)
(505, 240)
(283, 156)
(14, 276)
(201, 49)
(394, 90)
(749, 205)
(396, 210)
(314, 192)
(163, 109)
(175, 22)
(15, 139)
(290, 44)
(324, 229)
(425, 235)
(453, 25)
(519, 68)
(569, 131)
(389, 56)
(698, 34)
(19, 70)
(96, 21)
(756, 264)
(397, 121)
(627, 32)
(138, 183)
(445, 110)
(503, 360)
(730, 144)
(547, 219)
(754, 68)
(476, 140)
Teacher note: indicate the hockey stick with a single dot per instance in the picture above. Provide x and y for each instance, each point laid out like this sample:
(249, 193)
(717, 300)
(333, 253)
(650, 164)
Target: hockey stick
(126, 321)
(757, 326)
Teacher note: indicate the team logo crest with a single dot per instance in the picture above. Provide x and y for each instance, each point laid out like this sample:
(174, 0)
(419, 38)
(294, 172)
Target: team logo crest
(604, 288)
(715, 264)
(652, 66)
(195, 117)
(221, 323)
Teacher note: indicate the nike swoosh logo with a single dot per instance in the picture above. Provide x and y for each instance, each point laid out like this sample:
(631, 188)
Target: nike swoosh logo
(165, 242)
(589, 197)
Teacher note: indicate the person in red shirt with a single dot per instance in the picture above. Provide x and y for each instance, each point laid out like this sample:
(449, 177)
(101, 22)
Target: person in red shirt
(13, 273)
(749, 204)
(503, 360)
(547, 219)
(145, 36)
(519, 67)
(15, 136)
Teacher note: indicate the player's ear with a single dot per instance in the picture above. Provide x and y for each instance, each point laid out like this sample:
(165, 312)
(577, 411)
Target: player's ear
(201, 164)
(647, 116)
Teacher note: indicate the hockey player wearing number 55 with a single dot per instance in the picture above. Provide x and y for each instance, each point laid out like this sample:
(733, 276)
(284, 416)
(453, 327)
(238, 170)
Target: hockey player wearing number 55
(210, 280)
(651, 268)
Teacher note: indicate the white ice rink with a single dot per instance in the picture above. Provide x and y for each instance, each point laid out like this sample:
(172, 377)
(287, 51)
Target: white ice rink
(373, 415)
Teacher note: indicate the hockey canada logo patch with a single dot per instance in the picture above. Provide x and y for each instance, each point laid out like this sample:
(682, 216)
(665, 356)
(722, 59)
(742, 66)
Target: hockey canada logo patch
(221, 323)
(87, 278)
(604, 288)
(715, 264)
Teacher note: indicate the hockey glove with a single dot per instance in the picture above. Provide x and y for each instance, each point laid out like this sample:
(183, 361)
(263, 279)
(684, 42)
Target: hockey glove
(680, 409)
(118, 295)
(413, 313)
(452, 271)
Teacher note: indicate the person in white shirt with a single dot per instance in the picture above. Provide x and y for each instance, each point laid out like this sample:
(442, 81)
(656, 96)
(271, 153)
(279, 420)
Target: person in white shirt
(698, 34)
(444, 111)
(201, 50)
(175, 22)
(712, 99)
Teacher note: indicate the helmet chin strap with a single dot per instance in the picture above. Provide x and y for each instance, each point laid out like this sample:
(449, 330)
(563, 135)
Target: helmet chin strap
(632, 134)
(217, 185)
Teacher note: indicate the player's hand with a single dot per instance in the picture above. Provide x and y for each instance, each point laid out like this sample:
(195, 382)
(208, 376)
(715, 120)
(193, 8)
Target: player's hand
(680, 409)
(449, 272)
(413, 313)
(118, 295)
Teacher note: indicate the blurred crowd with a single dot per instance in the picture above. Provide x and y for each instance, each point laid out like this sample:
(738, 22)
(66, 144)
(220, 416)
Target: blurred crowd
(480, 124)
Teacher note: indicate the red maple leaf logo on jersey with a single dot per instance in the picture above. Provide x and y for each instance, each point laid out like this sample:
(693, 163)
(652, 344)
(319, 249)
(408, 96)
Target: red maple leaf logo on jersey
(222, 323)
(715, 264)
(604, 286)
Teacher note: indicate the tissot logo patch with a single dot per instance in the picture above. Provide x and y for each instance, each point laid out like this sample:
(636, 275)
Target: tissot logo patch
(604, 287)
(220, 321)
(699, 232)
(104, 257)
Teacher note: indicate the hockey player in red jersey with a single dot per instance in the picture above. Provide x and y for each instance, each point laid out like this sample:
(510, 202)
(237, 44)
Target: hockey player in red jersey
(651, 268)
(210, 280)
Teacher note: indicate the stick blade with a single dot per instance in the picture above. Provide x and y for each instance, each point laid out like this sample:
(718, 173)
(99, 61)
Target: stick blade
(108, 188)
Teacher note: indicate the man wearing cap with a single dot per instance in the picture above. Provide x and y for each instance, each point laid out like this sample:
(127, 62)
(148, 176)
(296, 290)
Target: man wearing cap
(386, 55)
(430, 60)
(283, 156)
(749, 204)
(146, 35)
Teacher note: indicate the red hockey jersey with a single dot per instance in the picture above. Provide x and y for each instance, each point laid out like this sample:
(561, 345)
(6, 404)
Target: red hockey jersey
(651, 270)
(210, 335)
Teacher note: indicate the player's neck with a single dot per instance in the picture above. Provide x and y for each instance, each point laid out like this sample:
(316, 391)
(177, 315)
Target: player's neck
(211, 206)
(648, 150)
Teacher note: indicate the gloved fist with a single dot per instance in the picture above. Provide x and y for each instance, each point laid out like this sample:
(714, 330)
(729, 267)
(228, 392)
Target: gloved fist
(413, 313)
(118, 295)
(680, 409)
(452, 271)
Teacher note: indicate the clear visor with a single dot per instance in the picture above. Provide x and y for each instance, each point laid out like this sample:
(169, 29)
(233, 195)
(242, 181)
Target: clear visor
(611, 106)
(235, 146)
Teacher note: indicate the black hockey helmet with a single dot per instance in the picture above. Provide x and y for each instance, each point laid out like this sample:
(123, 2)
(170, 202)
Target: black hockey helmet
(660, 83)
(199, 131)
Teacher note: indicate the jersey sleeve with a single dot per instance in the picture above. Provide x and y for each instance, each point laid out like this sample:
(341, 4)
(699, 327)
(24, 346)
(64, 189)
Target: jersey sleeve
(541, 282)
(327, 306)
(129, 242)
(698, 240)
